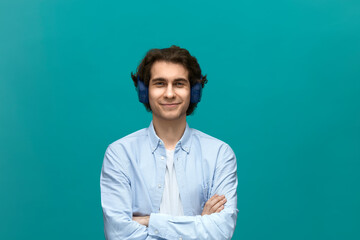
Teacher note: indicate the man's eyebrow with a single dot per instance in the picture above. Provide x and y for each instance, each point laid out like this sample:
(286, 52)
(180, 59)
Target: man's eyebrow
(181, 79)
(158, 79)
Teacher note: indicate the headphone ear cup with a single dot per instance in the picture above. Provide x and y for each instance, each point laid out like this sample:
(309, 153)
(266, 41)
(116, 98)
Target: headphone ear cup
(143, 91)
(196, 91)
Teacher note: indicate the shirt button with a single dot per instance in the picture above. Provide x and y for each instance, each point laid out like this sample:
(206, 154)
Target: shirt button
(162, 158)
(156, 232)
(180, 238)
(159, 186)
(160, 143)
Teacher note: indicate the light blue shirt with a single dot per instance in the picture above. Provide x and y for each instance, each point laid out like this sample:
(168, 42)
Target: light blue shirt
(132, 183)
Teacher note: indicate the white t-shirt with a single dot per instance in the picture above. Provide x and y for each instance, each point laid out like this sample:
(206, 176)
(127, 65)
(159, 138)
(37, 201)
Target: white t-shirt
(171, 202)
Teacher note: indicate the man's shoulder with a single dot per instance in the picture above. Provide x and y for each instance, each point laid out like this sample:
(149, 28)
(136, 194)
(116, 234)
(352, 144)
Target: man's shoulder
(131, 138)
(205, 138)
(212, 145)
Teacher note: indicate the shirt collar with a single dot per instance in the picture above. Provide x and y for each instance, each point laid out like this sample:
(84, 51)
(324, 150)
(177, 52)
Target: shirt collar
(184, 142)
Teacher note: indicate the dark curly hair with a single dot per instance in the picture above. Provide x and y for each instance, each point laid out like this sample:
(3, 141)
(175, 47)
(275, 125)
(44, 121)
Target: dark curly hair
(173, 54)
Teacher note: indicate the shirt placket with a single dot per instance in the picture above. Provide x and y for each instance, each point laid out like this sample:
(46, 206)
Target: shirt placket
(160, 158)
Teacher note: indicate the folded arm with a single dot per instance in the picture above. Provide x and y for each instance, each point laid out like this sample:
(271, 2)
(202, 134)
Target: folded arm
(214, 205)
(119, 223)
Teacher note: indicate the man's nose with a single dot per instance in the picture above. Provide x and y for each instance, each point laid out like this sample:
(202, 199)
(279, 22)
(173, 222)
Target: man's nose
(169, 91)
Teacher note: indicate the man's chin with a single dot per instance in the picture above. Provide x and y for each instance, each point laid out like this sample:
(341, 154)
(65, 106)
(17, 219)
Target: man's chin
(170, 116)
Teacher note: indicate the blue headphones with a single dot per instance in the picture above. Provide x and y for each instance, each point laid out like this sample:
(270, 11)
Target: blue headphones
(143, 92)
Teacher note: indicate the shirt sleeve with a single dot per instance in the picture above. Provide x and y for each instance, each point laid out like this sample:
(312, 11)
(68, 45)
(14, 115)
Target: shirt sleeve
(116, 201)
(215, 226)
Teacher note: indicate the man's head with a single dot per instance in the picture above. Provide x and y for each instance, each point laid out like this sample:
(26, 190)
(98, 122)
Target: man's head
(176, 56)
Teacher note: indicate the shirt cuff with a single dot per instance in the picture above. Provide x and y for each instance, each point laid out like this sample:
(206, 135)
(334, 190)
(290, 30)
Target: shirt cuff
(158, 226)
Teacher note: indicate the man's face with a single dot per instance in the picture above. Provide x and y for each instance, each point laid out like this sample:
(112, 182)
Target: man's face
(169, 90)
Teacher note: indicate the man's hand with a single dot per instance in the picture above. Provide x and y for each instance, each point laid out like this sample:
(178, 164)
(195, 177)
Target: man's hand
(214, 205)
(143, 220)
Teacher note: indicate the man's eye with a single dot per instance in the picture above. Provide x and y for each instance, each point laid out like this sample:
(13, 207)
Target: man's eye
(179, 84)
(159, 83)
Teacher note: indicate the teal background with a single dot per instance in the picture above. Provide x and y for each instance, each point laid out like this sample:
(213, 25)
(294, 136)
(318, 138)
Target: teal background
(283, 91)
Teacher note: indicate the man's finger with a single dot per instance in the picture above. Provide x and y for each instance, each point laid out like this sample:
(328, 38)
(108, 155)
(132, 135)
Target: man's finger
(220, 208)
(217, 199)
(218, 204)
(214, 199)
(211, 203)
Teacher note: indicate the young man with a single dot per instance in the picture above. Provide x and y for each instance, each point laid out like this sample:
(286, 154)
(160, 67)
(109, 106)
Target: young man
(169, 181)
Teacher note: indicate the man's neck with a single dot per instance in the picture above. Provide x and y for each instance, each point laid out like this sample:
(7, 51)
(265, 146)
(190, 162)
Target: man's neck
(170, 132)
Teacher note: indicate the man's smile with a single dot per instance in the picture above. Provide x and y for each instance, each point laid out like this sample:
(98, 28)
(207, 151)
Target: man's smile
(169, 104)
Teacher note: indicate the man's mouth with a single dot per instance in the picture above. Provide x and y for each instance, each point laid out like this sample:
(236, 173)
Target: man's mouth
(170, 104)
